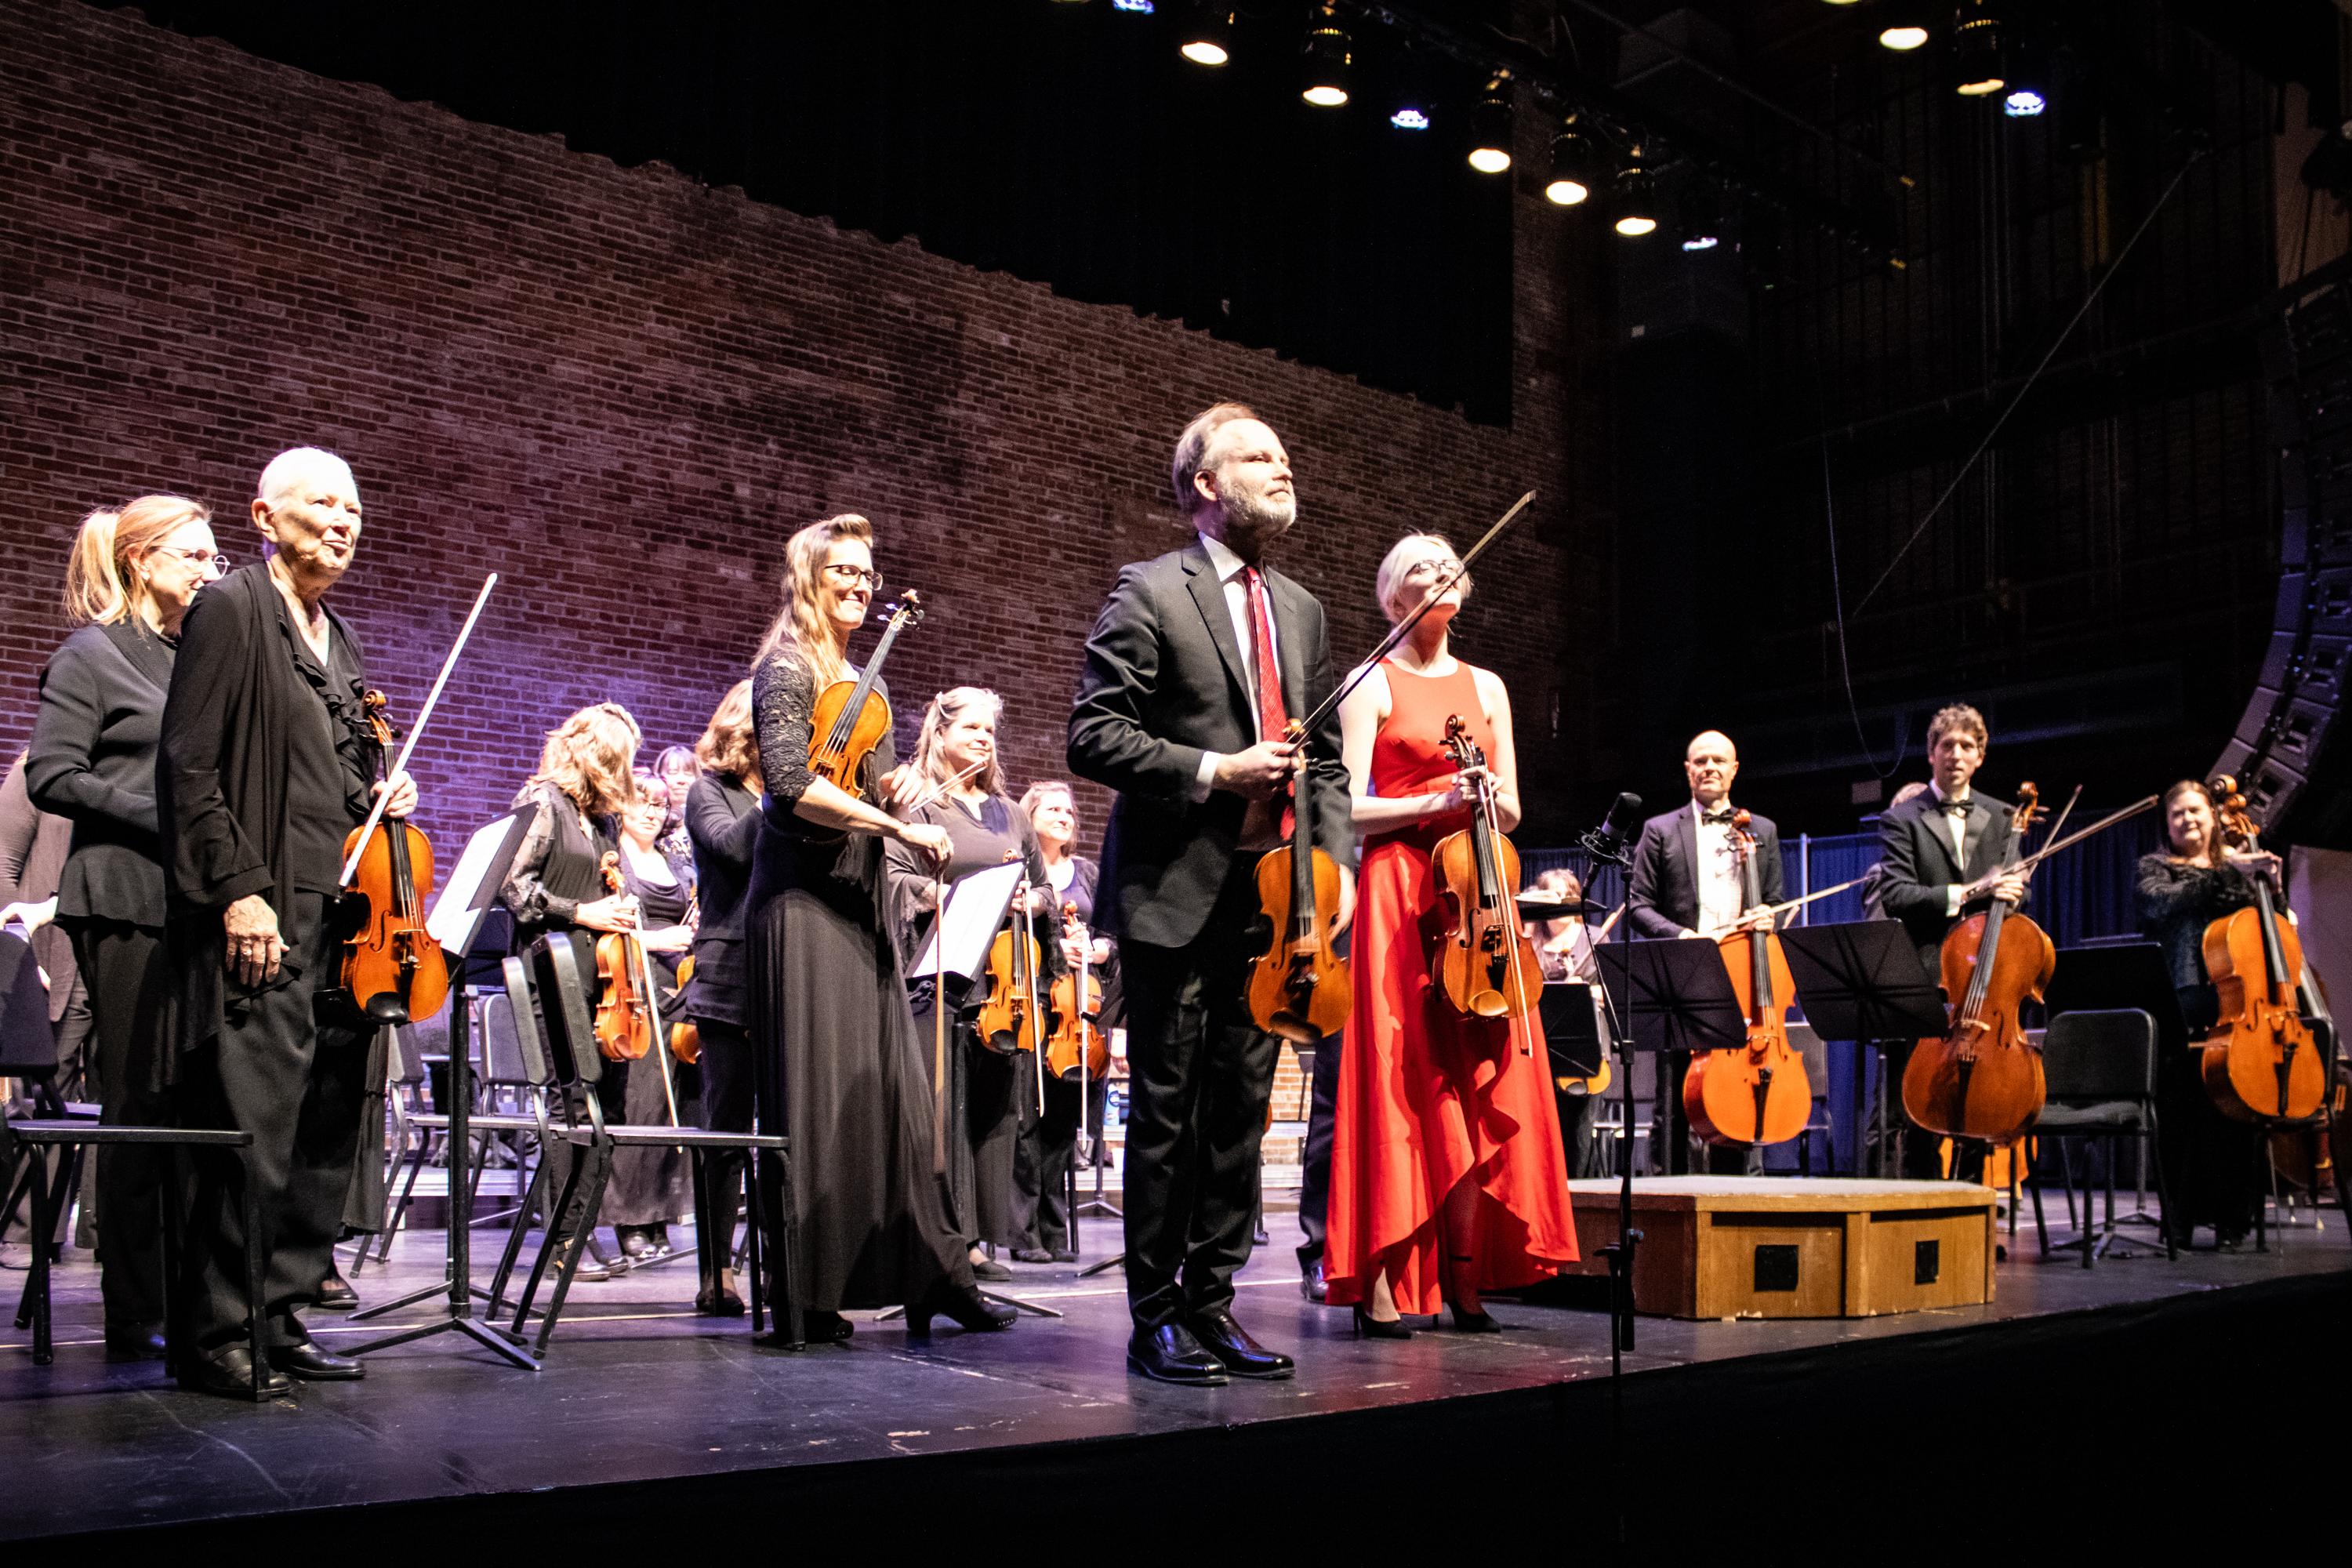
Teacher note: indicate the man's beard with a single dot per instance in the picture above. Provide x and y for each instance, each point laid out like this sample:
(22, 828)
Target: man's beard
(1259, 518)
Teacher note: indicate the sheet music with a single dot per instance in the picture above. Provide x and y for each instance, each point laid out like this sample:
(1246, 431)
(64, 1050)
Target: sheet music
(975, 909)
(457, 911)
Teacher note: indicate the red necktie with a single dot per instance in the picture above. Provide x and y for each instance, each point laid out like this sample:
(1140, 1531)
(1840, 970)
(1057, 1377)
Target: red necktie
(1273, 717)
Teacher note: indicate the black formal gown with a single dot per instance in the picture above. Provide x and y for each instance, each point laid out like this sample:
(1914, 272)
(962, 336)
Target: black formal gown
(1048, 1144)
(2212, 1166)
(840, 1064)
(722, 821)
(654, 1186)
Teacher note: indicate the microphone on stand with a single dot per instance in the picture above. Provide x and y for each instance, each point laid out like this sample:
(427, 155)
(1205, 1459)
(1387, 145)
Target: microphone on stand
(1608, 841)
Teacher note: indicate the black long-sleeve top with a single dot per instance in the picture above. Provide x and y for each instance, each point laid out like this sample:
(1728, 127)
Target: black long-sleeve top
(722, 819)
(92, 762)
(2177, 899)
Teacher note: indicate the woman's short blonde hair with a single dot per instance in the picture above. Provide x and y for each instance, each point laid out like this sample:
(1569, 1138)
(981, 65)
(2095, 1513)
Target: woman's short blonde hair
(592, 757)
(102, 587)
(1394, 565)
(946, 708)
(731, 742)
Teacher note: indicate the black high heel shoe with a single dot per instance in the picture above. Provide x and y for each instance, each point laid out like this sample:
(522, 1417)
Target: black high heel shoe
(1473, 1322)
(1370, 1328)
(960, 1305)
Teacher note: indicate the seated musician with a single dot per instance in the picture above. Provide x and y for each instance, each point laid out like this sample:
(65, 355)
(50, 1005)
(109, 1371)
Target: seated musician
(2213, 1165)
(1049, 1137)
(1944, 856)
(1686, 882)
(653, 1185)
(1566, 945)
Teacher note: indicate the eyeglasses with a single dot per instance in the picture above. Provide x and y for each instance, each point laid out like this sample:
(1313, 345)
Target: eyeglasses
(1430, 569)
(848, 574)
(197, 558)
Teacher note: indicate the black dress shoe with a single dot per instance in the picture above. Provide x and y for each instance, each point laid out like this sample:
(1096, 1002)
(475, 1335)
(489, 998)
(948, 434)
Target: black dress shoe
(336, 1295)
(1231, 1344)
(314, 1362)
(960, 1305)
(1312, 1285)
(228, 1371)
(1033, 1255)
(1169, 1353)
(135, 1341)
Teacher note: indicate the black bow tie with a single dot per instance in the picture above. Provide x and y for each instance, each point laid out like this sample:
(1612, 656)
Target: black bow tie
(1713, 817)
(1953, 807)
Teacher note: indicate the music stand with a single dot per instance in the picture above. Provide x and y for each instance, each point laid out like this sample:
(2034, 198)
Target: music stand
(1861, 982)
(455, 921)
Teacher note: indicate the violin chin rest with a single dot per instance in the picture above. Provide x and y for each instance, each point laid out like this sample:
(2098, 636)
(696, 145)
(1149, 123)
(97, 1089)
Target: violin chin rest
(385, 1008)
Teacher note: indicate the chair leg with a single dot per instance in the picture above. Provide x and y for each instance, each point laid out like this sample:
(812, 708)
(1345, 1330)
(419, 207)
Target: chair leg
(788, 1236)
(551, 1240)
(254, 1305)
(177, 1183)
(530, 1195)
(603, 1158)
(2041, 1225)
(37, 1281)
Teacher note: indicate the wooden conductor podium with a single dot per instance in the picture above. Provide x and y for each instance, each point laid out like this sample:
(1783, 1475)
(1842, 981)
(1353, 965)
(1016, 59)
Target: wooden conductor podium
(1756, 1247)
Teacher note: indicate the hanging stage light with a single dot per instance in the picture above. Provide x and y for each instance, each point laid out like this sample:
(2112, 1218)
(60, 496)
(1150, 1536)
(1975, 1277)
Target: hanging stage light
(1328, 60)
(1700, 221)
(1635, 199)
(1976, 39)
(1490, 127)
(1208, 36)
(2024, 103)
(1571, 167)
(1903, 26)
(1141, 8)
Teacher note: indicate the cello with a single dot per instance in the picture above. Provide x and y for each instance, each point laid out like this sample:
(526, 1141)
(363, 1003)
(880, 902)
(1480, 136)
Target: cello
(1758, 1093)
(849, 718)
(1983, 1077)
(1485, 966)
(2262, 1060)
(393, 970)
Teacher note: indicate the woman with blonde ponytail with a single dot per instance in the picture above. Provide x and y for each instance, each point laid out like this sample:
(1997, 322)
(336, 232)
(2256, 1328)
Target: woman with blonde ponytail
(133, 574)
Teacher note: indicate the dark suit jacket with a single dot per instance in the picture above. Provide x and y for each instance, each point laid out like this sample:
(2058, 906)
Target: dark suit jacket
(92, 761)
(33, 845)
(722, 818)
(1917, 867)
(1162, 684)
(1663, 883)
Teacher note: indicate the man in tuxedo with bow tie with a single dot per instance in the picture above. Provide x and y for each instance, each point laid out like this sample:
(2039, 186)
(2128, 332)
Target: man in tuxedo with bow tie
(1685, 881)
(1944, 856)
(1197, 665)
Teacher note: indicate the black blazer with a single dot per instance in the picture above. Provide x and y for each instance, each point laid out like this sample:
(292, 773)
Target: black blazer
(1917, 867)
(1162, 684)
(722, 818)
(92, 761)
(1662, 889)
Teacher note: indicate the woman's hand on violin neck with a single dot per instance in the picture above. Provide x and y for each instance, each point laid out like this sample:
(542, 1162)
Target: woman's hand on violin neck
(400, 791)
(615, 912)
(1073, 951)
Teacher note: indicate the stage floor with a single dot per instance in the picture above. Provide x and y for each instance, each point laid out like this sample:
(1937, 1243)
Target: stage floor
(638, 1390)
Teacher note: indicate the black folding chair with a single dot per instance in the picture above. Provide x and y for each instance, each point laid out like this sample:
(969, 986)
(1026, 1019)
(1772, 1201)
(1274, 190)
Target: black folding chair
(565, 1058)
(2100, 1067)
(418, 1132)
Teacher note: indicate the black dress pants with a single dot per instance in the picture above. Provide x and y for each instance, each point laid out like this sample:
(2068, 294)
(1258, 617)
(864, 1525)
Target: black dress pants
(727, 1076)
(132, 990)
(275, 1072)
(1315, 1167)
(1042, 1160)
(1200, 1074)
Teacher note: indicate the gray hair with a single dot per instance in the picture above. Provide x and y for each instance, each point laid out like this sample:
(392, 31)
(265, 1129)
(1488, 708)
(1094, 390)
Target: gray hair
(287, 468)
(1192, 450)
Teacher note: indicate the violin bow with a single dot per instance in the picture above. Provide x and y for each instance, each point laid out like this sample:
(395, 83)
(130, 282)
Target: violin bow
(416, 730)
(937, 792)
(1397, 634)
(2055, 844)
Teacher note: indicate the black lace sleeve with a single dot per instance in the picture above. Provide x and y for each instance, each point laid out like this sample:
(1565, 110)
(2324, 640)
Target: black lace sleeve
(782, 699)
(523, 892)
(2168, 890)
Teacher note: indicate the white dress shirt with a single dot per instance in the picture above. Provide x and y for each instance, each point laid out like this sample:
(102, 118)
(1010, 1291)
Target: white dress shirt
(1230, 567)
(1954, 893)
(1717, 875)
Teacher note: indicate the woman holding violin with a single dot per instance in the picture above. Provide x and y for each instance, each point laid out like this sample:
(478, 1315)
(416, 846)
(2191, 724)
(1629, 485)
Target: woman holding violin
(841, 1065)
(961, 791)
(2213, 1165)
(131, 578)
(557, 880)
(1447, 1177)
(1048, 1141)
(654, 1186)
(722, 819)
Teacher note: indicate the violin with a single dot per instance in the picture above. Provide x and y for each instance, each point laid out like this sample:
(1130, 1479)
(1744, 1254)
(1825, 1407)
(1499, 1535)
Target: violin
(2262, 1060)
(1983, 1079)
(685, 1038)
(392, 970)
(625, 1009)
(1758, 1093)
(1010, 1020)
(1078, 1050)
(1298, 987)
(850, 717)
(1487, 967)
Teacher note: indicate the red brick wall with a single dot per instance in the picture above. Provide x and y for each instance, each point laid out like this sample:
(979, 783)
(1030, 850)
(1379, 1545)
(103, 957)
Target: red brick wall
(621, 391)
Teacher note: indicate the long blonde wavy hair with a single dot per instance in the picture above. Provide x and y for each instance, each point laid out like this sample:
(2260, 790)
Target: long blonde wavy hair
(731, 742)
(801, 630)
(592, 757)
(948, 705)
(101, 586)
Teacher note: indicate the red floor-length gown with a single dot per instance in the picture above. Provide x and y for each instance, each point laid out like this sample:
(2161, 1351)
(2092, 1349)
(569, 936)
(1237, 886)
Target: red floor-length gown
(1428, 1096)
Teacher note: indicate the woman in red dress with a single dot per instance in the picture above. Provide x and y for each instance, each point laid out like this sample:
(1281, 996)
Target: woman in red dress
(1446, 1173)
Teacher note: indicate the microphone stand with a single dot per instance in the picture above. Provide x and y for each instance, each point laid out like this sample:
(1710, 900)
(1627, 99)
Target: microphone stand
(1607, 848)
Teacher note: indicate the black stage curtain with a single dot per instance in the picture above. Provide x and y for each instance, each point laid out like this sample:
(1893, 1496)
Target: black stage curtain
(1069, 144)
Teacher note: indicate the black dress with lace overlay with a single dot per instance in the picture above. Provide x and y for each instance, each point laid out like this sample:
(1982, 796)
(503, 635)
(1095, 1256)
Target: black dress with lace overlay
(840, 1064)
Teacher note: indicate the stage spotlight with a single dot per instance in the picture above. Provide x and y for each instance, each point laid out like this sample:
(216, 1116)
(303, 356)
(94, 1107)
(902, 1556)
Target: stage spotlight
(1208, 36)
(1571, 167)
(2023, 104)
(1976, 41)
(1490, 127)
(1904, 26)
(1634, 200)
(1700, 222)
(1328, 60)
(1141, 8)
